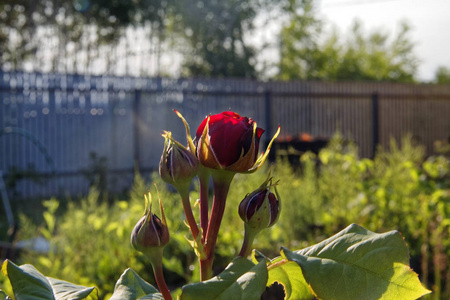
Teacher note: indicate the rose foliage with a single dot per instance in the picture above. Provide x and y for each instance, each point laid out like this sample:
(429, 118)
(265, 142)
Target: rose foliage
(353, 264)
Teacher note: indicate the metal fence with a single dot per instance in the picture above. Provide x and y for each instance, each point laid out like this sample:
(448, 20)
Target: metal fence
(53, 124)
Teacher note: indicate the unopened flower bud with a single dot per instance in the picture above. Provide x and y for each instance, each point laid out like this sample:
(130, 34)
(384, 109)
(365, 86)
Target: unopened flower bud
(261, 208)
(178, 165)
(258, 210)
(150, 233)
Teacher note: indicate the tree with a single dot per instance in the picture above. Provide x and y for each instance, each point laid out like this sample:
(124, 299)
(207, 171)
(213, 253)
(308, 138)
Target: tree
(66, 36)
(299, 47)
(214, 32)
(442, 75)
(209, 36)
(17, 28)
(71, 36)
(372, 56)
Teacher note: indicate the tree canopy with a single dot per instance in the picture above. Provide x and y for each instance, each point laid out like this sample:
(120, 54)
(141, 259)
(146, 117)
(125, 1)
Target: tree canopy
(442, 75)
(208, 38)
(307, 54)
(215, 32)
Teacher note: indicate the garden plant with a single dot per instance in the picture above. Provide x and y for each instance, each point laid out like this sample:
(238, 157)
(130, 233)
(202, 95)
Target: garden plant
(355, 263)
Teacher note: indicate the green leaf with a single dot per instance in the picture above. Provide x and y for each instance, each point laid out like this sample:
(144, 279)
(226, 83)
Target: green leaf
(130, 287)
(64, 290)
(359, 264)
(242, 279)
(29, 284)
(258, 256)
(3, 295)
(289, 274)
(155, 296)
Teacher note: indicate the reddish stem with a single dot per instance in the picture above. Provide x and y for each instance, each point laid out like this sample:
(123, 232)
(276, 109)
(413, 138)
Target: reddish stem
(184, 194)
(161, 282)
(203, 176)
(217, 211)
(249, 237)
(205, 269)
(221, 182)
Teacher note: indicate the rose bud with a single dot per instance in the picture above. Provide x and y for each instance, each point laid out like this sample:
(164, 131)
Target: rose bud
(227, 141)
(258, 210)
(149, 236)
(261, 208)
(150, 233)
(178, 165)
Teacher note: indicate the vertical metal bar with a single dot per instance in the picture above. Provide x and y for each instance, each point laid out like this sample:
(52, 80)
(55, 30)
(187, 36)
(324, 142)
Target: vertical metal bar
(268, 114)
(375, 123)
(136, 131)
(6, 204)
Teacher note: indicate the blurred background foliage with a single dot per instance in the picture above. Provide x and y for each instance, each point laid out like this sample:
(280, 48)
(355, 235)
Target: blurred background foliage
(199, 38)
(397, 190)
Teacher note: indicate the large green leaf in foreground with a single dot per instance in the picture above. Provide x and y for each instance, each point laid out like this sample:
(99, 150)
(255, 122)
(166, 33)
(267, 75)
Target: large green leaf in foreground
(289, 274)
(359, 264)
(241, 280)
(2, 295)
(131, 286)
(29, 284)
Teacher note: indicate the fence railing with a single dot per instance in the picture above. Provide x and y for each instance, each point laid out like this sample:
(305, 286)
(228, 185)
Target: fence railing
(61, 129)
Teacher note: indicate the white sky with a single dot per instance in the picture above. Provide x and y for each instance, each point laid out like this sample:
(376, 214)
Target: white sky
(429, 19)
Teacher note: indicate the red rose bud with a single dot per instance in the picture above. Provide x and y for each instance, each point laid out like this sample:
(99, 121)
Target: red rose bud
(178, 165)
(150, 233)
(227, 141)
(261, 208)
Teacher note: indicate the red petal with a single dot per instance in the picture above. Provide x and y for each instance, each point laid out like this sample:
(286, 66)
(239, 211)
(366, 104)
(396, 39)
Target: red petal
(230, 136)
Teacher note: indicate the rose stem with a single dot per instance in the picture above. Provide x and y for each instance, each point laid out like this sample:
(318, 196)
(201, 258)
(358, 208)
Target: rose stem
(184, 194)
(221, 183)
(160, 281)
(249, 237)
(203, 176)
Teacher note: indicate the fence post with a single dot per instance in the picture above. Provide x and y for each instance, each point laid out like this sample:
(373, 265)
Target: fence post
(375, 122)
(268, 114)
(136, 131)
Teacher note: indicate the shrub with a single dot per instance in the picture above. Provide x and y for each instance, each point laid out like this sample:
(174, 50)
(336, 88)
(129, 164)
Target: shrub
(396, 190)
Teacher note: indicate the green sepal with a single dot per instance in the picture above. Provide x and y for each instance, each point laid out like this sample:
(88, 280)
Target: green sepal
(197, 245)
(263, 157)
(190, 142)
